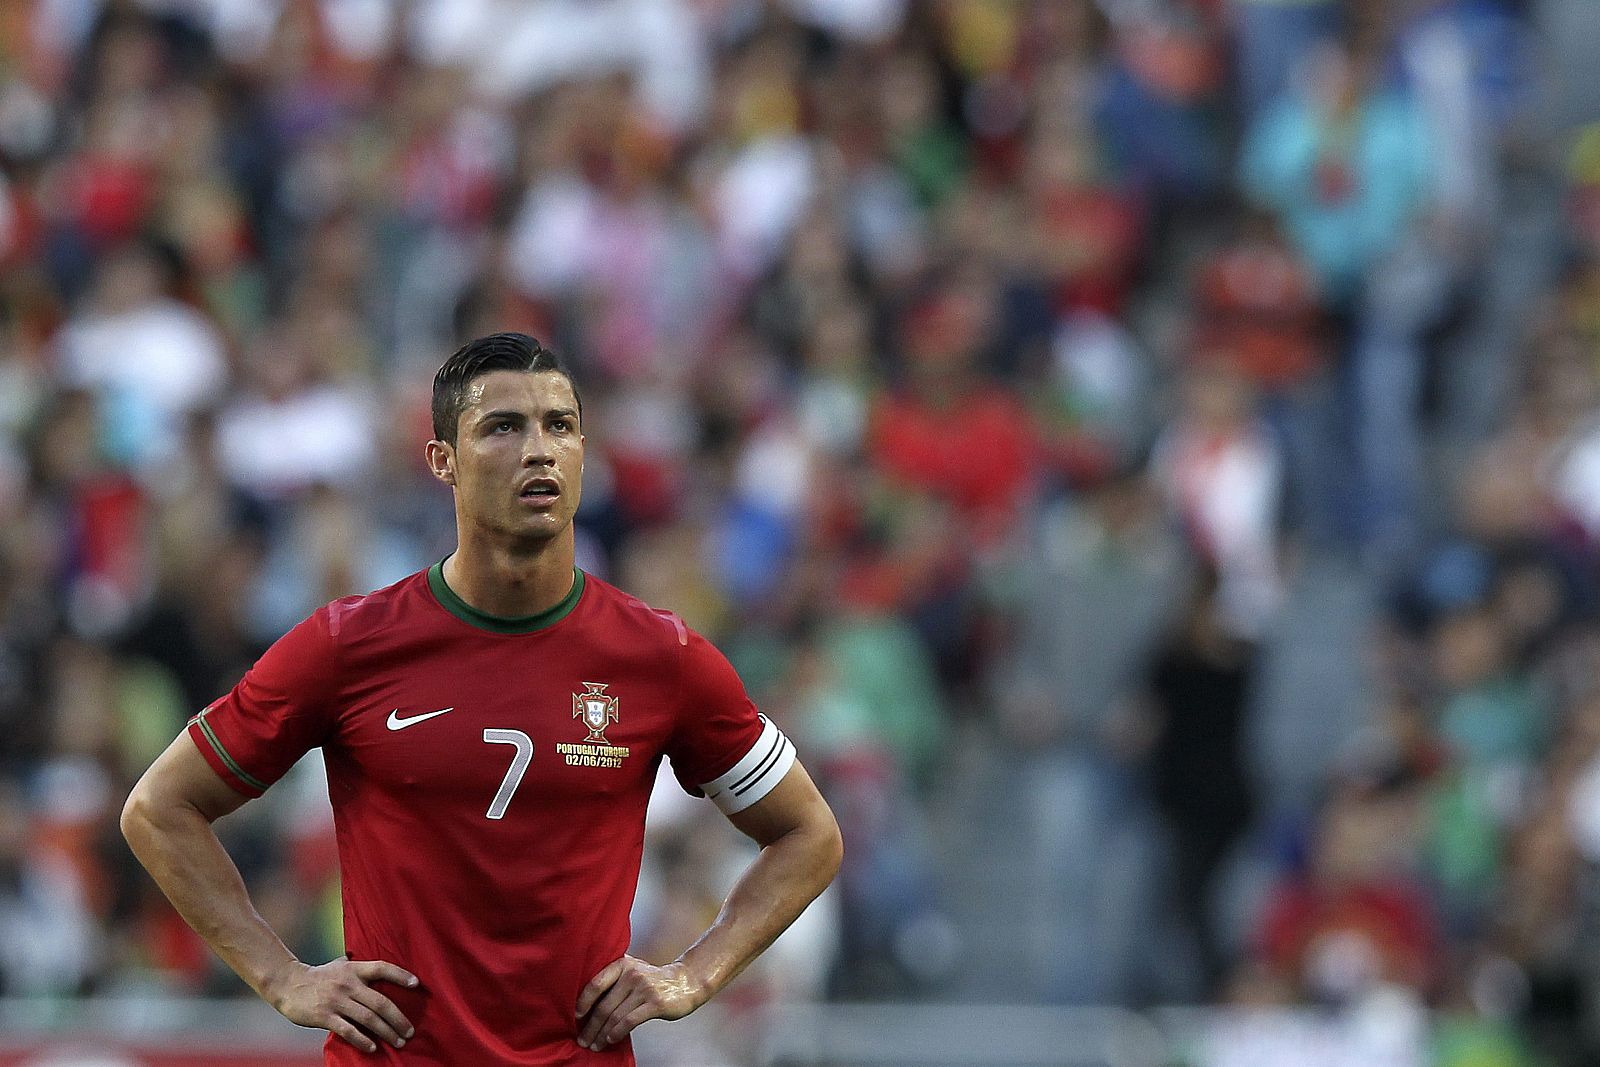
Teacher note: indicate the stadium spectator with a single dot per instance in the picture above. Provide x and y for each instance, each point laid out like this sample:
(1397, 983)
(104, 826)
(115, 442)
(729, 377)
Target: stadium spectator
(926, 329)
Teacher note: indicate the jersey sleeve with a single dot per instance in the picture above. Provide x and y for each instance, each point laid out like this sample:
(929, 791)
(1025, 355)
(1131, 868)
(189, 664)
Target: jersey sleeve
(277, 713)
(723, 748)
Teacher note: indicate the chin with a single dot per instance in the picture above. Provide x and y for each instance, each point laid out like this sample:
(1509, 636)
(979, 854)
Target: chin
(545, 528)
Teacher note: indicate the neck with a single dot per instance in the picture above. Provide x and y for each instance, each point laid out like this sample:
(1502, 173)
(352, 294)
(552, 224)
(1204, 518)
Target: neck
(512, 581)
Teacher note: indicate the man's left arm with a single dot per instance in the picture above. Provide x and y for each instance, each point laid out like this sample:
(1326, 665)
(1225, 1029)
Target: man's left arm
(800, 853)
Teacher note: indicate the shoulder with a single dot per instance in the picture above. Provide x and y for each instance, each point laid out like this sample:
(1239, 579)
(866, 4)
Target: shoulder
(617, 609)
(350, 619)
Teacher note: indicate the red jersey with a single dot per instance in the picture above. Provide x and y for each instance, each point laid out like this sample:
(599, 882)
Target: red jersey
(489, 779)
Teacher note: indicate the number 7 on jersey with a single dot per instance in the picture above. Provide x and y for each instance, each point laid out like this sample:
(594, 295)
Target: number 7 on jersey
(519, 767)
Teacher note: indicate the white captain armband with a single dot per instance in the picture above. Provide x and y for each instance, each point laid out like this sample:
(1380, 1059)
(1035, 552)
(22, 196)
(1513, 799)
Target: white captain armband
(754, 776)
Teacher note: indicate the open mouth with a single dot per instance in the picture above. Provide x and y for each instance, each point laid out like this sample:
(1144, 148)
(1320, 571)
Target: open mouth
(542, 489)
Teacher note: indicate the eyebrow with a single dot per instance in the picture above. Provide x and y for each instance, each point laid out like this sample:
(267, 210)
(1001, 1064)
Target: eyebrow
(553, 413)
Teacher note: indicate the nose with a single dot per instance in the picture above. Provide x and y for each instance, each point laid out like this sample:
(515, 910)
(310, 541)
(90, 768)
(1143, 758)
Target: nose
(536, 449)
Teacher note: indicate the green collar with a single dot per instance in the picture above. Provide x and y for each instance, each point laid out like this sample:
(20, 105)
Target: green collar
(499, 624)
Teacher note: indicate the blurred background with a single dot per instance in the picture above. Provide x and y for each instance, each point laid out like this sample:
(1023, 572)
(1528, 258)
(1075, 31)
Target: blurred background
(1145, 452)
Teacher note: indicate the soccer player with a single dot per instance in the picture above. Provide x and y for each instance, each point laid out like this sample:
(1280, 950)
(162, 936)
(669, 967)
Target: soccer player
(492, 728)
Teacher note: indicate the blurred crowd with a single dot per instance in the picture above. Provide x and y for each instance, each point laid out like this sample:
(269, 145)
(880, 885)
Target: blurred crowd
(979, 374)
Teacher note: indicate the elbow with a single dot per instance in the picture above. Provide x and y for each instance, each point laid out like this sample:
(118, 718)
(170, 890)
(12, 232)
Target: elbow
(830, 851)
(146, 814)
(135, 814)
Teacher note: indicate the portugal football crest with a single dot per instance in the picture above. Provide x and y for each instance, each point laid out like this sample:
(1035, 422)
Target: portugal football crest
(596, 710)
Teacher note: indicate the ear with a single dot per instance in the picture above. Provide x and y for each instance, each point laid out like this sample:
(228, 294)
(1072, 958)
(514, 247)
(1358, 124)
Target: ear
(441, 457)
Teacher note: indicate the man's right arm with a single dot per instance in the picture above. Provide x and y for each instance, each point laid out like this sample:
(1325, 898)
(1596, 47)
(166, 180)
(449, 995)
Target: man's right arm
(167, 821)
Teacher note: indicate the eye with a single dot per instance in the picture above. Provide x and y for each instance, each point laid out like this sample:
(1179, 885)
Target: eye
(503, 425)
(564, 425)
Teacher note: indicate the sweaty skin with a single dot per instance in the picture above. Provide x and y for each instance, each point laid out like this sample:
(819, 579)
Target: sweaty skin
(514, 557)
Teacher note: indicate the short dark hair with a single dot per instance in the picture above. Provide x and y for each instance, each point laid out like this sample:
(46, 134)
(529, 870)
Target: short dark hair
(498, 351)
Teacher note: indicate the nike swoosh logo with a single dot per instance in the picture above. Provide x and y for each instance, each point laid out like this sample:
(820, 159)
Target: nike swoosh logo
(397, 723)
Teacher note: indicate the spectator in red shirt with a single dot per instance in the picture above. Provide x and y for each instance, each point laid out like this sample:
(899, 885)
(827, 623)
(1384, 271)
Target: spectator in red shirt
(946, 432)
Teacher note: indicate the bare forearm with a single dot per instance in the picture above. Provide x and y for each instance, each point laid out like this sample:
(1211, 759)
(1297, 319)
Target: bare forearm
(800, 853)
(177, 845)
(785, 878)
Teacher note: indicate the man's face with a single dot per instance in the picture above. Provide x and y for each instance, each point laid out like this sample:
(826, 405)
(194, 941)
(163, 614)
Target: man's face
(518, 457)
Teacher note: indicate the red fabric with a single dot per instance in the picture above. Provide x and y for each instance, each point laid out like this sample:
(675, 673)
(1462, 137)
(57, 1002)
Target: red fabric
(647, 486)
(314, 860)
(1394, 917)
(109, 197)
(27, 231)
(503, 920)
(1260, 314)
(1093, 236)
(979, 454)
(174, 947)
(111, 525)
